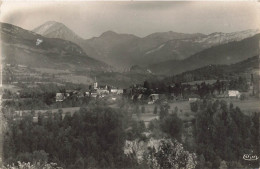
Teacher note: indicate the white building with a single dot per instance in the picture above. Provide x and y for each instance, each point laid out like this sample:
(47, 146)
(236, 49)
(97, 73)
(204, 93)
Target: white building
(95, 85)
(102, 91)
(116, 91)
(120, 91)
(234, 93)
(193, 99)
(60, 97)
(154, 97)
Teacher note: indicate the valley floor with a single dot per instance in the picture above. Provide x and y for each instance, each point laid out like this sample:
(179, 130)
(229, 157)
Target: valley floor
(248, 107)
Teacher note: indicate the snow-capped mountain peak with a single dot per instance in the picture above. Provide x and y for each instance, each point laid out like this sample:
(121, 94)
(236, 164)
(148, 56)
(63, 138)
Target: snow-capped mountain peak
(220, 37)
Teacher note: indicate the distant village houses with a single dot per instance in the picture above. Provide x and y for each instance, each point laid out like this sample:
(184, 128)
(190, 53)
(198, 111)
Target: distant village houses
(234, 94)
(97, 91)
(60, 97)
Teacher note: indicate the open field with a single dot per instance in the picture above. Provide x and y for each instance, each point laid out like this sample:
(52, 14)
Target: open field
(201, 81)
(72, 110)
(10, 87)
(183, 112)
(146, 117)
(51, 71)
(76, 79)
(67, 75)
(247, 107)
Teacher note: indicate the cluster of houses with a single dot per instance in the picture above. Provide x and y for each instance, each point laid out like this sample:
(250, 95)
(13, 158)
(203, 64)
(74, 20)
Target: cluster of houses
(233, 94)
(98, 91)
(140, 94)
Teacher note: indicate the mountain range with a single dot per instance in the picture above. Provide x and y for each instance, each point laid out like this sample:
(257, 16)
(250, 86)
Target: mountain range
(20, 46)
(124, 50)
(228, 53)
(164, 53)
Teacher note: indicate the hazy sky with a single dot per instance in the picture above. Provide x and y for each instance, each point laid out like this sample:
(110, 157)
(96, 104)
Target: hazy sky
(89, 19)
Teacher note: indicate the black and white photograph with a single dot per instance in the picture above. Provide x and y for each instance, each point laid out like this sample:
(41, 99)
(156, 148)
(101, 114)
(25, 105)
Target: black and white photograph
(129, 84)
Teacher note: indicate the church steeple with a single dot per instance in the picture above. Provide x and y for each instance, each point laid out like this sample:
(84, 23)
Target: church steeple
(95, 83)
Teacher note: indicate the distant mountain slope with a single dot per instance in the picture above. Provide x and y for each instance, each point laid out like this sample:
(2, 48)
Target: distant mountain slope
(125, 50)
(121, 50)
(52, 29)
(155, 40)
(223, 54)
(20, 46)
(209, 72)
(173, 49)
(112, 47)
(183, 48)
(218, 38)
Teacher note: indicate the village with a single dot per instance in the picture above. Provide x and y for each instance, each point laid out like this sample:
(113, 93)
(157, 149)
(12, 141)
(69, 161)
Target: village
(142, 93)
(148, 94)
(147, 98)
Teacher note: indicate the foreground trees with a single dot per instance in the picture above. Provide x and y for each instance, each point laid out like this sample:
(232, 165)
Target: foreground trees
(169, 153)
(95, 137)
(92, 137)
(223, 132)
(160, 154)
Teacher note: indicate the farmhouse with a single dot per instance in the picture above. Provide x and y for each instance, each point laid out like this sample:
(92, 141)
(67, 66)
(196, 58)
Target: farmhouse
(152, 98)
(87, 93)
(116, 91)
(120, 91)
(102, 91)
(70, 92)
(60, 97)
(140, 96)
(94, 94)
(234, 94)
(113, 90)
(194, 97)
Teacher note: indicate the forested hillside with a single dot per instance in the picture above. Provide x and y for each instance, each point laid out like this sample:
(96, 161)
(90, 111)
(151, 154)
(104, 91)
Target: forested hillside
(245, 68)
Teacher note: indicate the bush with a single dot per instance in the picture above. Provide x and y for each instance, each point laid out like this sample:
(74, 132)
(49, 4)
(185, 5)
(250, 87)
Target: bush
(187, 114)
(242, 97)
(24, 165)
(155, 110)
(194, 106)
(143, 109)
(172, 125)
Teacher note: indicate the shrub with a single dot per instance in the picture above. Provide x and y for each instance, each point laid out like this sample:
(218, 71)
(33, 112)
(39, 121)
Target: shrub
(155, 110)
